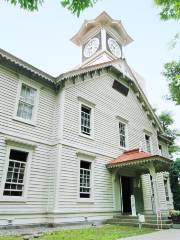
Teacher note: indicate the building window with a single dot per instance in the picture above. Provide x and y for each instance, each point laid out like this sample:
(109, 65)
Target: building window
(148, 143)
(14, 183)
(160, 150)
(26, 103)
(85, 179)
(86, 120)
(122, 134)
(166, 189)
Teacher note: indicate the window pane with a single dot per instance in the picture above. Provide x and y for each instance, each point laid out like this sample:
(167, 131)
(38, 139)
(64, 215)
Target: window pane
(166, 189)
(25, 111)
(15, 176)
(18, 155)
(85, 179)
(148, 143)
(122, 134)
(85, 120)
(26, 102)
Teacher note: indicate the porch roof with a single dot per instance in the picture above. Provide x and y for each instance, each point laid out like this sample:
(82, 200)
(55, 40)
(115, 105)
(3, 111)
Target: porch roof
(139, 158)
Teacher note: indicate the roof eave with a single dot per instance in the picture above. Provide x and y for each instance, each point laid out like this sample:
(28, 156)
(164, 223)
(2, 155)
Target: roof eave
(101, 20)
(7, 60)
(139, 160)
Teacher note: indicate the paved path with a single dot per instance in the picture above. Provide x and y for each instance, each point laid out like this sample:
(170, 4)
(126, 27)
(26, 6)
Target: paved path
(172, 234)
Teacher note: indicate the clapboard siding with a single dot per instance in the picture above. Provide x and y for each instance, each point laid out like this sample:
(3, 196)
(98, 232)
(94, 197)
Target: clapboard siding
(39, 182)
(108, 104)
(54, 170)
(45, 113)
(68, 187)
(41, 179)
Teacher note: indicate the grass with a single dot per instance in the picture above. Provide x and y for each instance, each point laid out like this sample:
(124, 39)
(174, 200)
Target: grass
(106, 232)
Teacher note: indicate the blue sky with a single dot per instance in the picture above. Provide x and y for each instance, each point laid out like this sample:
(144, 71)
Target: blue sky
(42, 39)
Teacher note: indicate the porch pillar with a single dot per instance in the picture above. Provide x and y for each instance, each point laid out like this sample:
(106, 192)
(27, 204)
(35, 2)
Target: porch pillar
(116, 190)
(152, 172)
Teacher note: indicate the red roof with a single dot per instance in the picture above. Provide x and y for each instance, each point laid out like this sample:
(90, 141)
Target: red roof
(130, 155)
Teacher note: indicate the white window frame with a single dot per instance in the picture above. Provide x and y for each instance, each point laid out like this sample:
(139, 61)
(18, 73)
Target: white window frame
(91, 106)
(33, 121)
(86, 157)
(150, 139)
(125, 122)
(26, 175)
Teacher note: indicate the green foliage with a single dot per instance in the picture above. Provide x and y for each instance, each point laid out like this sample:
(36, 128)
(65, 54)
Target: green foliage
(170, 9)
(106, 232)
(175, 213)
(175, 41)
(172, 74)
(166, 120)
(77, 6)
(175, 186)
(30, 5)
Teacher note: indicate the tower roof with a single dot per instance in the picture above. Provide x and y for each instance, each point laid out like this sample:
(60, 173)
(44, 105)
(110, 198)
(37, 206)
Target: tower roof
(102, 20)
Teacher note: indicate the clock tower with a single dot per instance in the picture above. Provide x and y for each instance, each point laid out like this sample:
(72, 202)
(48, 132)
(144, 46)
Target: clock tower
(101, 40)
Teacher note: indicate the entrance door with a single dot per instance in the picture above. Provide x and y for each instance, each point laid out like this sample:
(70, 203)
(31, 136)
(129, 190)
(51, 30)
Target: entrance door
(126, 183)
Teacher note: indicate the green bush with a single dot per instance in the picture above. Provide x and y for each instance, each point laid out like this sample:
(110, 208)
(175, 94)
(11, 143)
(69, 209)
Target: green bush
(175, 213)
(175, 186)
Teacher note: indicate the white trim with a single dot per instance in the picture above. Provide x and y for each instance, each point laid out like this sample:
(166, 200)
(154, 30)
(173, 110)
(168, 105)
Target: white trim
(121, 119)
(85, 154)
(146, 133)
(26, 175)
(16, 142)
(34, 114)
(86, 158)
(125, 122)
(86, 102)
(90, 105)
(57, 176)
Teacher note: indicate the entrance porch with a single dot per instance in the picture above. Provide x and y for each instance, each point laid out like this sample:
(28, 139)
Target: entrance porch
(140, 183)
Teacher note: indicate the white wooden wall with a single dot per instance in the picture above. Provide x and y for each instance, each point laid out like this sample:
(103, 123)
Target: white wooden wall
(53, 180)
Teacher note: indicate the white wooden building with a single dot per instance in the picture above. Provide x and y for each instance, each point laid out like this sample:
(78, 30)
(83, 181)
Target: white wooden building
(77, 147)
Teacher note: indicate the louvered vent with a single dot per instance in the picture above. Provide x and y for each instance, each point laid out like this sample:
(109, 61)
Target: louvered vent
(120, 88)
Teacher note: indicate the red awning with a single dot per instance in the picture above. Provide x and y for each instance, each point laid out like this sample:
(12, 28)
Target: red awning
(136, 156)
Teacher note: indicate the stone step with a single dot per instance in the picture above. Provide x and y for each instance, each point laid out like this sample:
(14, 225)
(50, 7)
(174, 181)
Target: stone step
(147, 217)
(164, 221)
(150, 225)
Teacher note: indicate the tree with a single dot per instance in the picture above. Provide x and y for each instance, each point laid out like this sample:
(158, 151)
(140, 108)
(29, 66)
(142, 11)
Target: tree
(174, 180)
(172, 74)
(170, 9)
(166, 122)
(75, 6)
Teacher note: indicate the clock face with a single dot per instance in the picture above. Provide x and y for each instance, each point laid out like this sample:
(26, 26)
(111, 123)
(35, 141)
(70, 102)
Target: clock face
(114, 47)
(91, 47)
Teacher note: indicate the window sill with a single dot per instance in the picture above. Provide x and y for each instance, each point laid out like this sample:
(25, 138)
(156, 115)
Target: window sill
(13, 199)
(80, 200)
(32, 123)
(86, 136)
(123, 148)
